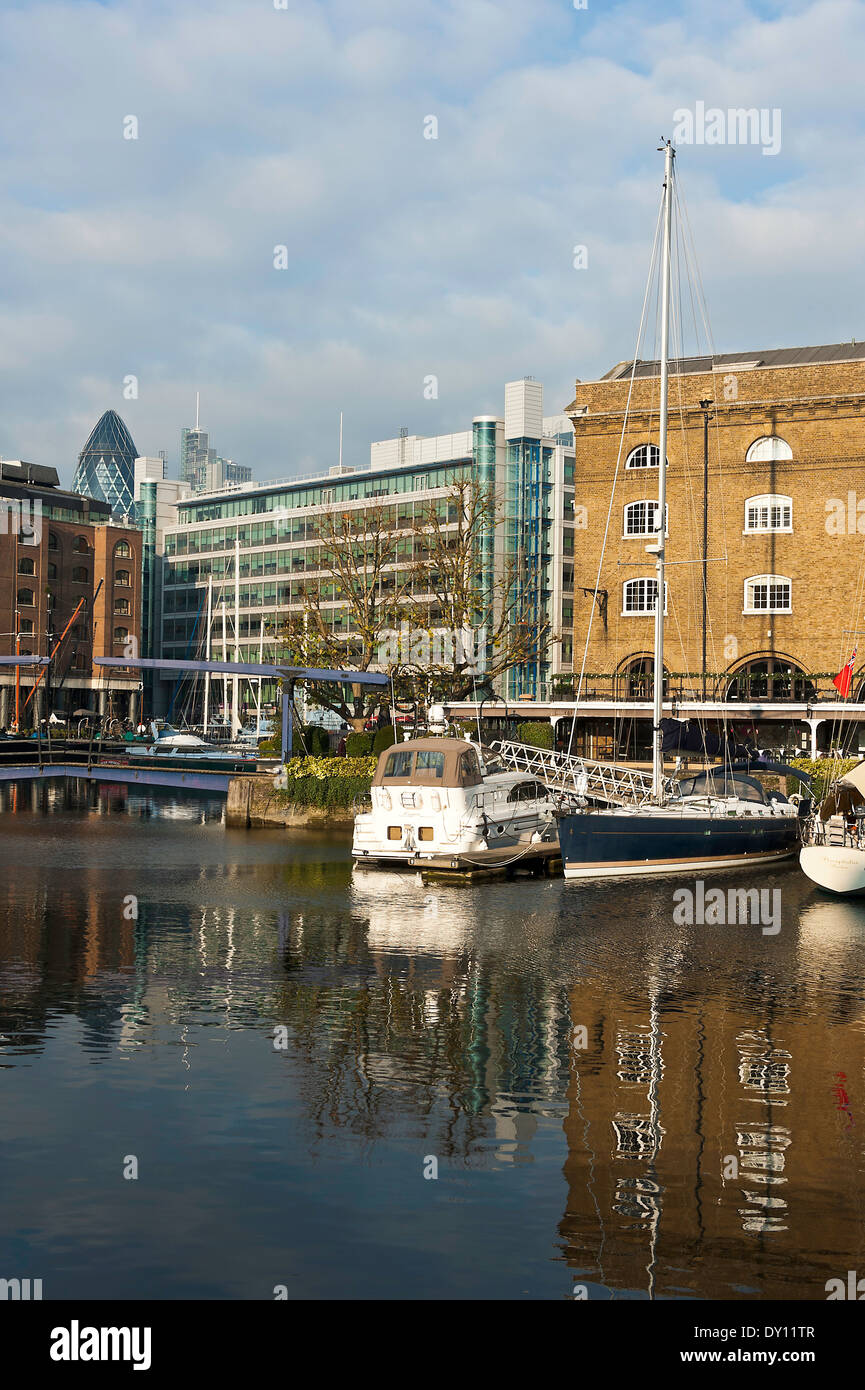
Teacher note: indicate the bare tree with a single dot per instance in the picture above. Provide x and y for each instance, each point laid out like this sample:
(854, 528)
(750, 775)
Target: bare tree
(344, 612)
(487, 619)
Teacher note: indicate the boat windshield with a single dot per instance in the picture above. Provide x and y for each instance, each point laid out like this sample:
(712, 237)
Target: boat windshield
(430, 765)
(399, 764)
(725, 784)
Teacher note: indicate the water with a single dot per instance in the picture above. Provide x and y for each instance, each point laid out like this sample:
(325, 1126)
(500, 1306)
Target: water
(702, 1139)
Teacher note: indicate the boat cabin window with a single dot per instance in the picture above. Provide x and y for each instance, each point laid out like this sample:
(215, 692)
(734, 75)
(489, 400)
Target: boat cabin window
(528, 791)
(398, 765)
(430, 765)
(469, 769)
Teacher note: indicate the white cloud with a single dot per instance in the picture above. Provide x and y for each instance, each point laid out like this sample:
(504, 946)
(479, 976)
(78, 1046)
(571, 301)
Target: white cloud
(406, 256)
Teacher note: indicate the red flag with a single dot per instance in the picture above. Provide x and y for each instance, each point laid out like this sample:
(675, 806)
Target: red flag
(844, 679)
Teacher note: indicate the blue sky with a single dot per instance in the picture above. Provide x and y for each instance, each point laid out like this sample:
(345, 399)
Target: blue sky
(408, 257)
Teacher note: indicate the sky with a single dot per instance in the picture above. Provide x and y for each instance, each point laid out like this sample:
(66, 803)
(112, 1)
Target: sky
(406, 258)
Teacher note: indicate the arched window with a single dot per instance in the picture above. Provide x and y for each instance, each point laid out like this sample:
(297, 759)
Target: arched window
(641, 519)
(768, 593)
(25, 596)
(80, 574)
(636, 679)
(121, 605)
(26, 565)
(639, 596)
(769, 448)
(25, 626)
(644, 456)
(121, 634)
(771, 512)
(123, 548)
(53, 543)
(122, 577)
(772, 679)
(80, 544)
(51, 570)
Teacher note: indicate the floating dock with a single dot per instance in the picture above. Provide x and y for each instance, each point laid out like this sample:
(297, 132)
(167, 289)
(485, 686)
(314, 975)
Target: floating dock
(542, 860)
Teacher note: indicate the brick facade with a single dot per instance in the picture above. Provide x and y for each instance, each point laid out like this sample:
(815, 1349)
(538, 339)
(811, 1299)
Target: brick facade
(44, 582)
(818, 408)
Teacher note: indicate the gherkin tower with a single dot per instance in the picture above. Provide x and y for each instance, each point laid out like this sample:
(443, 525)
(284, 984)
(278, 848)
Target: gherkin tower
(106, 464)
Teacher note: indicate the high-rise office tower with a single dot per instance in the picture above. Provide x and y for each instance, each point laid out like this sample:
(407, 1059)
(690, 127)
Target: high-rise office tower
(106, 464)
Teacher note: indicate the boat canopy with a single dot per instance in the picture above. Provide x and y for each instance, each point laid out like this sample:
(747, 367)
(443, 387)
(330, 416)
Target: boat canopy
(725, 783)
(441, 762)
(856, 778)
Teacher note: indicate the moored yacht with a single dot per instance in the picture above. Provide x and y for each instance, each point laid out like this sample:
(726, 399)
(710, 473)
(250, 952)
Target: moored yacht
(664, 825)
(833, 850)
(714, 820)
(433, 797)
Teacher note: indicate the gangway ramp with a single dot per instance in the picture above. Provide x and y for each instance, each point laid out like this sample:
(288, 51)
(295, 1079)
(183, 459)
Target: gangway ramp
(583, 778)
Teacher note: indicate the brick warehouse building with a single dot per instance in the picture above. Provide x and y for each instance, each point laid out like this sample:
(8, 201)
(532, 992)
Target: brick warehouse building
(56, 548)
(785, 528)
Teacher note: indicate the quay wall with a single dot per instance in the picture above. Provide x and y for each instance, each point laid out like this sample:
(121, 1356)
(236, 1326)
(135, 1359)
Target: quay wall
(253, 802)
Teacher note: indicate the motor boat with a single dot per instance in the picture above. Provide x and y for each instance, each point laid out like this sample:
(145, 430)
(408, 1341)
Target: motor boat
(433, 797)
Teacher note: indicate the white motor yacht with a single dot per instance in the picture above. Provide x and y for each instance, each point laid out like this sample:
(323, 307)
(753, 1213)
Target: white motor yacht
(446, 796)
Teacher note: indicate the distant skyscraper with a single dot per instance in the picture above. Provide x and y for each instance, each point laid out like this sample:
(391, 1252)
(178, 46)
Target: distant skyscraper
(202, 467)
(106, 464)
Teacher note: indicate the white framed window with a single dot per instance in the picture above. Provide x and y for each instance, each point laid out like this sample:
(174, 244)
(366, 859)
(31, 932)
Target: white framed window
(641, 519)
(638, 597)
(769, 448)
(768, 593)
(644, 456)
(771, 512)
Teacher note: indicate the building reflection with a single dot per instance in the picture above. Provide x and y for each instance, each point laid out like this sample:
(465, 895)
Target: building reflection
(686, 1084)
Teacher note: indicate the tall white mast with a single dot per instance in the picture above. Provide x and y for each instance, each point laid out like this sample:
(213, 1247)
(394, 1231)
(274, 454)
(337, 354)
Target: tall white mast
(340, 441)
(661, 518)
(207, 652)
(224, 657)
(196, 412)
(235, 684)
(260, 662)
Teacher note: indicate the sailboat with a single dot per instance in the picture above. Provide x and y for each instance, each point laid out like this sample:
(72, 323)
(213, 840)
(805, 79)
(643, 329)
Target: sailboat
(717, 819)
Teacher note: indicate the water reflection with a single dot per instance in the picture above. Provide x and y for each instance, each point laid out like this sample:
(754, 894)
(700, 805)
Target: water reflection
(659, 1106)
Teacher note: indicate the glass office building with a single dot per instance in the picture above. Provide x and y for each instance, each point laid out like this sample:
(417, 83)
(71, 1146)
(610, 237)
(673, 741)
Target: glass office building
(106, 464)
(278, 527)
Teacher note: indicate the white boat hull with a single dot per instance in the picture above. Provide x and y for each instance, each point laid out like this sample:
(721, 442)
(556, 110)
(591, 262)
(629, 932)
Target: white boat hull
(836, 869)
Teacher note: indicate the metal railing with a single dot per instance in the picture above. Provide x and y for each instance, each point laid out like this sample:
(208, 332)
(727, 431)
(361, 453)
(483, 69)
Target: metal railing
(580, 777)
(721, 688)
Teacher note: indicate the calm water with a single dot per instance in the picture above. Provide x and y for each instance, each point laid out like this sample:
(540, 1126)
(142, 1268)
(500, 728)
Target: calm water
(703, 1138)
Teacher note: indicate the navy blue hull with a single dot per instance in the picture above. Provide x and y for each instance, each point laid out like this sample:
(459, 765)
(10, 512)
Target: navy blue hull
(598, 845)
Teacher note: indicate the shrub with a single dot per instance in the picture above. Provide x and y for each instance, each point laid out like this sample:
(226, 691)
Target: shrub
(316, 741)
(384, 738)
(822, 770)
(536, 734)
(328, 782)
(358, 745)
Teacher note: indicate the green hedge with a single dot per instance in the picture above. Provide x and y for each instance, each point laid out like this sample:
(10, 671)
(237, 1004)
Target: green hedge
(358, 745)
(384, 738)
(536, 734)
(328, 782)
(312, 742)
